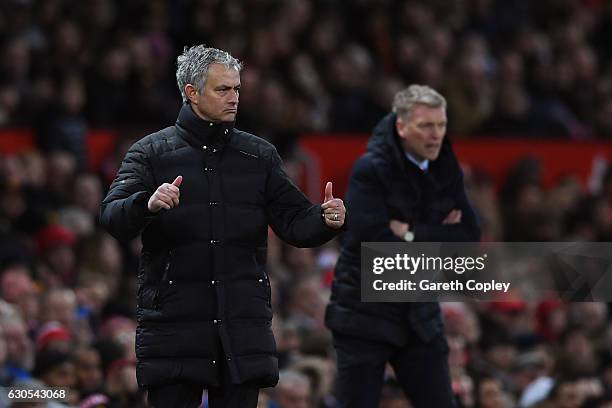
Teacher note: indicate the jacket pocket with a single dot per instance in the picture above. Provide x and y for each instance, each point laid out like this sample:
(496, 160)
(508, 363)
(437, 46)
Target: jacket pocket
(268, 287)
(147, 293)
(165, 281)
(166, 273)
(148, 297)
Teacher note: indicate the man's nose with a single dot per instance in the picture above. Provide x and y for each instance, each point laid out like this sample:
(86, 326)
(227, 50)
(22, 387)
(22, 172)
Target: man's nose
(233, 97)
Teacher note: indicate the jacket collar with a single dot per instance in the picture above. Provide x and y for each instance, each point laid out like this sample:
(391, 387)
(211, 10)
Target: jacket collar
(385, 142)
(201, 132)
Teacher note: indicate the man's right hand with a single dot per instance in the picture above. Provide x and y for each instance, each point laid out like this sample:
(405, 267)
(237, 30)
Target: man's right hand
(399, 228)
(166, 196)
(453, 217)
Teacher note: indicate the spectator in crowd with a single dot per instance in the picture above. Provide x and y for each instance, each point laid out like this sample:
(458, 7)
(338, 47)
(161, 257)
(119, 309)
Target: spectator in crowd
(320, 372)
(19, 289)
(20, 357)
(60, 305)
(122, 387)
(565, 394)
(54, 336)
(55, 368)
(489, 394)
(306, 306)
(546, 75)
(88, 369)
(293, 390)
(576, 355)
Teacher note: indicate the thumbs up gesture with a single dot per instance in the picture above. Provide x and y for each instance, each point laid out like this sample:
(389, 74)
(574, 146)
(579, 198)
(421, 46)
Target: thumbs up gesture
(166, 196)
(334, 212)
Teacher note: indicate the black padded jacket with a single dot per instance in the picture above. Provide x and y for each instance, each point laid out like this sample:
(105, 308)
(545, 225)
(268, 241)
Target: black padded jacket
(385, 185)
(203, 291)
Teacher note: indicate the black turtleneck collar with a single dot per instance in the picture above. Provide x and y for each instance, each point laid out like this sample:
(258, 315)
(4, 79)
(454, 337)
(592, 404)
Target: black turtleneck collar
(202, 132)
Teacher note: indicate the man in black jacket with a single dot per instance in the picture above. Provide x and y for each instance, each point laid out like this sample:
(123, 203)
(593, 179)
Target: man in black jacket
(202, 194)
(408, 186)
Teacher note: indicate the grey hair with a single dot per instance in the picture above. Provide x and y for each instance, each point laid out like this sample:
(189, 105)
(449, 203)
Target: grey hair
(405, 99)
(291, 378)
(192, 66)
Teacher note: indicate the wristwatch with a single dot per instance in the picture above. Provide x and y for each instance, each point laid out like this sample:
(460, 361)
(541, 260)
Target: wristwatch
(409, 236)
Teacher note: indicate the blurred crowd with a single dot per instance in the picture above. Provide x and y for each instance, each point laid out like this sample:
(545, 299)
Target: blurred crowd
(68, 293)
(507, 68)
(527, 68)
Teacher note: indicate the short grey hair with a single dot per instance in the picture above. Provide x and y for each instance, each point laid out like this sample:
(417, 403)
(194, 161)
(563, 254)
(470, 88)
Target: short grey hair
(290, 378)
(192, 66)
(405, 99)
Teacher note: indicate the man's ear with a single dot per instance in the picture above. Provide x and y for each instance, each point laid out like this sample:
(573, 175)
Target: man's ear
(192, 93)
(400, 126)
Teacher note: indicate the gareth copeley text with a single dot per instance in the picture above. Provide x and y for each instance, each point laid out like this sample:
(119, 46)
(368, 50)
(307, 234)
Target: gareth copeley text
(453, 286)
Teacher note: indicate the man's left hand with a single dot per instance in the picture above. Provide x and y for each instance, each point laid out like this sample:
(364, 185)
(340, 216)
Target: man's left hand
(334, 212)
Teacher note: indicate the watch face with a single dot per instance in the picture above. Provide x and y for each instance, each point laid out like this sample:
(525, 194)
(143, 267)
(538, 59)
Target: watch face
(409, 236)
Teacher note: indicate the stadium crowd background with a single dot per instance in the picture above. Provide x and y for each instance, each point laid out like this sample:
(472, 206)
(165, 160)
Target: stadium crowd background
(521, 68)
